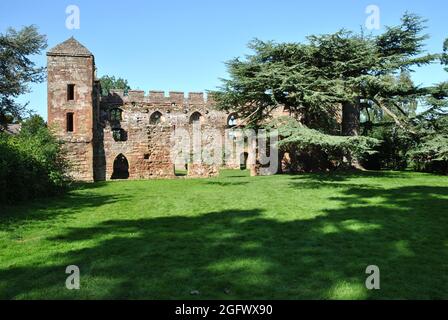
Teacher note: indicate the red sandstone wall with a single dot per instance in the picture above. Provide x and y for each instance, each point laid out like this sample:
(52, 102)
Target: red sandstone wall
(148, 147)
(64, 70)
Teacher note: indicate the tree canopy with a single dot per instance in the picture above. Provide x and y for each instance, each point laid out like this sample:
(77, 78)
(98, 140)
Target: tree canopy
(17, 70)
(110, 82)
(327, 81)
(314, 79)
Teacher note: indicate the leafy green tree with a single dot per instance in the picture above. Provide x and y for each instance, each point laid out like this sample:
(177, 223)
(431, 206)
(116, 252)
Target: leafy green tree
(110, 82)
(277, 75)
(346, 69)
(31, 163)
(341, 71)
(364, 68)
(32, 126)
(430, 152)
(444, 59)
(17, 70)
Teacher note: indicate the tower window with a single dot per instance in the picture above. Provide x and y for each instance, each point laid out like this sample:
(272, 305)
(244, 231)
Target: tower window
(119, 134)
(70, 92)
(70, 122)
(231, 121)
(155, 118)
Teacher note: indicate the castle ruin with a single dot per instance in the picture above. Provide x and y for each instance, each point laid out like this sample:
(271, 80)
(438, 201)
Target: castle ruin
(120, 136)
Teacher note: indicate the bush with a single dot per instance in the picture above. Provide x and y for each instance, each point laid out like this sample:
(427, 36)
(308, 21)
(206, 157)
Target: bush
(392, 152)
(31, 163)
(431, 155)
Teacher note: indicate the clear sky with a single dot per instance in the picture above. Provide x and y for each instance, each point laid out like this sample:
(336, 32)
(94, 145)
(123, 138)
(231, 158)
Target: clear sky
(182, 45)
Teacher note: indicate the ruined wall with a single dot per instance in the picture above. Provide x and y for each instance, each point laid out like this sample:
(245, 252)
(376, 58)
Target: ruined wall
(101, 147)
(77, 70)
(147, 146)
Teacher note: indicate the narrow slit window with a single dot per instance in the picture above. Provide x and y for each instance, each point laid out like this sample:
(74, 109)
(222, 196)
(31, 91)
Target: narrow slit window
(70, 122)
(70, 92)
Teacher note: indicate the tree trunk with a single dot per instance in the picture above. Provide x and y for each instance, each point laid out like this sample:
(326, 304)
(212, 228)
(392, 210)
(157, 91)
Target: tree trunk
(351, 114)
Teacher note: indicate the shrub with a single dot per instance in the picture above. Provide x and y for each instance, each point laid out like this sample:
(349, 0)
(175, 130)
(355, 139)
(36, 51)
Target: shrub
(392, 152)
(431, 155)
(31, 163)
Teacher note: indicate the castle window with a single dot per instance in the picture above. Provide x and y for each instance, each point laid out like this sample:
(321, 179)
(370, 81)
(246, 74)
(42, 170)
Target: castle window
(119, 134)
(195, 118)
(231, 121)
(115, 114)
(155, 118)
(69, 122)
(70, 92)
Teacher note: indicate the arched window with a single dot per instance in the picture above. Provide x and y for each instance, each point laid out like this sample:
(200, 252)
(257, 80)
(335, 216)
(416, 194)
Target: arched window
(119, 134)
(232, 120)
(115, 114)
(155, 118)
(195, 118)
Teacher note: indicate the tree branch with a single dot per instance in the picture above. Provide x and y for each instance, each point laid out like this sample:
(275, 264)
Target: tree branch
(392, 115)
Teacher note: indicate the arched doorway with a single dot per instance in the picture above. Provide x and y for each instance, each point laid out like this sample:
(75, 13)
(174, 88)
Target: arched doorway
(121, 167)
(243, 160)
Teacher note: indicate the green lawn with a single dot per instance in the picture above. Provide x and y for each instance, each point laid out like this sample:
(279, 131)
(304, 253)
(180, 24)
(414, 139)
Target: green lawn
(280, 237)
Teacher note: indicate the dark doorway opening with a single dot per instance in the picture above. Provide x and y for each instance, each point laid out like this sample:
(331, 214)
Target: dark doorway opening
(243, 160)
(181, 171)
(121, 167)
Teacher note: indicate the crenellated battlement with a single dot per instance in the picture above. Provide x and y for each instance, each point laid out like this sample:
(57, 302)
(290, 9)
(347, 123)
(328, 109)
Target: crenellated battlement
(158, 97)
(122, 136)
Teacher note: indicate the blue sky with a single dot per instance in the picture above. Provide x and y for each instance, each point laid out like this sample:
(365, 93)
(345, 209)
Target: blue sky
(182, 45)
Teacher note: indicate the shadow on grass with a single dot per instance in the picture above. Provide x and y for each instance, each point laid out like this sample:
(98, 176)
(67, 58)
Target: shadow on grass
(226, 183)
(246, 255)
(335, 176)
(51, 208)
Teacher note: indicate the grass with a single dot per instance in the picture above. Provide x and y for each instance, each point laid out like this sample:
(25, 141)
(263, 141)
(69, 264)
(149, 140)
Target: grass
(233, 237)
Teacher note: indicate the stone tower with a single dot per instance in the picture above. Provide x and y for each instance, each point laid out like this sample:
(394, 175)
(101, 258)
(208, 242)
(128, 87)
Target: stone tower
(72, 103)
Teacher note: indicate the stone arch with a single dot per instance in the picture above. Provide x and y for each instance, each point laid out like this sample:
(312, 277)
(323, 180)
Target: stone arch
(196, 118)
(155, 118)
(121, 167)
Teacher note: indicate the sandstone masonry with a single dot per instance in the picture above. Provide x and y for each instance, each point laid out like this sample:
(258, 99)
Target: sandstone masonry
(120, 136)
